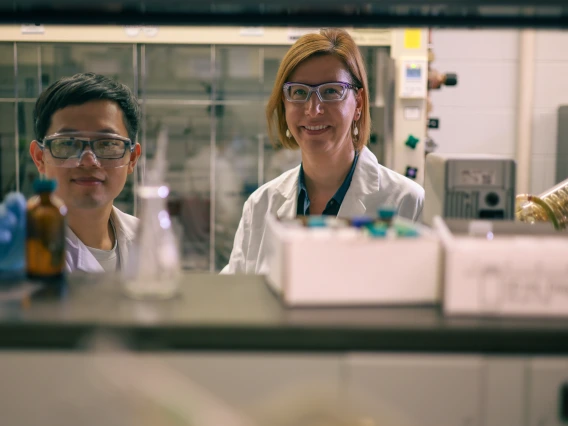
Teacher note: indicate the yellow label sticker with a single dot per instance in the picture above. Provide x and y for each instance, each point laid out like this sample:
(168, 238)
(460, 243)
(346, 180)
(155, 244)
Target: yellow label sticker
(412, 38)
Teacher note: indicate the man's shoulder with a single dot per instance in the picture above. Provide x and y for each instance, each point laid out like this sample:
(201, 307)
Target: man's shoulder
(124, 216)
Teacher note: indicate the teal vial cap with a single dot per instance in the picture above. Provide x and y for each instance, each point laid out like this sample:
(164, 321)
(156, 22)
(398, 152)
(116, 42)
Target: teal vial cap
(406, 231)
(379, 230)
(387, 212)
(45, 185)
(316, 222)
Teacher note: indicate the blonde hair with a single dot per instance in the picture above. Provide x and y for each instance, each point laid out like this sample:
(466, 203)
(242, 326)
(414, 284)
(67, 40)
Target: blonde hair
(329, 41)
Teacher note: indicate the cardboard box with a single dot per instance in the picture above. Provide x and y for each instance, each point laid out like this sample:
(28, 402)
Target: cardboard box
(320, 267)
(507, 269)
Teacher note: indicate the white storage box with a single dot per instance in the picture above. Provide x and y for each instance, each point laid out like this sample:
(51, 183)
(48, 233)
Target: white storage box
(508, 269)
(316, 267)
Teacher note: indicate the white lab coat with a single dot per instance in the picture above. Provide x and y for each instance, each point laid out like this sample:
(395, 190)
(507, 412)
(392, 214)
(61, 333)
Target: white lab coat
(78, 256)
(372, 186)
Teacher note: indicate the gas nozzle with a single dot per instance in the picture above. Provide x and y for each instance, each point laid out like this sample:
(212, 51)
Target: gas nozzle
(437, 79)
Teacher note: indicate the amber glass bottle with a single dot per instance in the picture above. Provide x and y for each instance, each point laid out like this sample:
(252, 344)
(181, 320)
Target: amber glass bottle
(45, 239)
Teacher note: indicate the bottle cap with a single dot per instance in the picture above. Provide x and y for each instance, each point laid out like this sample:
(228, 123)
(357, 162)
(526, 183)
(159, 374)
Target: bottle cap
(361, 221)
(316, 222)
(406, 231)
(379, 230)
(336, 222)
(387, 212)
(44, 185)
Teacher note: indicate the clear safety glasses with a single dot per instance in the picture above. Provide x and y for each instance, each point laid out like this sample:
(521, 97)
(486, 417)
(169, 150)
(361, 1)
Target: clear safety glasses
(327, 92)
(68, 149)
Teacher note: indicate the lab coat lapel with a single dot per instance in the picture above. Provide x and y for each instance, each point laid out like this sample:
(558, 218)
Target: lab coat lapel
(81, 258)
(287, 192)
(359, 198)
(352, 205)
(125, 235)
(364, 187)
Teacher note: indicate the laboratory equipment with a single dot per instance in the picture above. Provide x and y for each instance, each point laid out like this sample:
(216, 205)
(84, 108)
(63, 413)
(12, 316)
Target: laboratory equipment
(385, 224)
(153, 266)
(361, 221)
(562, 144)
(387, 214)
(413, 77)
(352, 265)
(45, 234)
(437, 79)
(316, 221)
(550, 206)
(469, 186)
(503, 268)
(12, 236)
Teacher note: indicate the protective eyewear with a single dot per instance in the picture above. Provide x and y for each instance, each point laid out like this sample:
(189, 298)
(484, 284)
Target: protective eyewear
(334, 91)
(68, 149)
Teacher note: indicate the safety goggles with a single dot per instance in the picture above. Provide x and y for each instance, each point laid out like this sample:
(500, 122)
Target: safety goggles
(334, 91)
(68, 149)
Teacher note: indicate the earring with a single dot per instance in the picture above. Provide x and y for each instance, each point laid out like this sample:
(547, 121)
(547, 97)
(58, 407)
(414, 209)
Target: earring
(355, 130)
(288, 134)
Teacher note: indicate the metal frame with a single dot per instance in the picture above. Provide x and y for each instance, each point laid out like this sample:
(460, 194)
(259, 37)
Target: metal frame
(310, 13)
(136, 87)
(16, 118)
(212, 168)
(261, 136)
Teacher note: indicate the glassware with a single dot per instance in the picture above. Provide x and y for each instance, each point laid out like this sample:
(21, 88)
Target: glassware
(153, 267)
(550, 206)
(45, 235)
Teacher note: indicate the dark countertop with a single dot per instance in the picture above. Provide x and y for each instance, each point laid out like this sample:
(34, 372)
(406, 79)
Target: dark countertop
(215, 312)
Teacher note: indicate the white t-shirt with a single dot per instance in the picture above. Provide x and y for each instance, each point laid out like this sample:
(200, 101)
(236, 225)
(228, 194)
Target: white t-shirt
(108, 259)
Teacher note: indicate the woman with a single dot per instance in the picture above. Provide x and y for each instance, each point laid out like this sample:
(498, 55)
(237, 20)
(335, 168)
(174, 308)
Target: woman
(320, 104)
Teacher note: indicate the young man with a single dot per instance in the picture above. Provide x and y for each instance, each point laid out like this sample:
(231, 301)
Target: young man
(85, 129)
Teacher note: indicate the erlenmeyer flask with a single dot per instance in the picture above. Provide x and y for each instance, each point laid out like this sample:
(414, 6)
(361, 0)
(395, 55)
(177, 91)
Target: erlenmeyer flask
(153, 267)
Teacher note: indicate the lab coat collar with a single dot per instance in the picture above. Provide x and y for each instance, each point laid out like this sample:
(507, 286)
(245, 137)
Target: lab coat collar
(83, 258)
(124, 234)
(122, 229)
(364, 187)
(288, 191)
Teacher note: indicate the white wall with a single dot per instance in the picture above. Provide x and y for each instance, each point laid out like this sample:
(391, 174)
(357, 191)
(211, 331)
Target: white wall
(478, 115)
(551, 91)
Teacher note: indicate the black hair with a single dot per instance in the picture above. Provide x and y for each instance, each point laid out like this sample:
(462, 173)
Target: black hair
(82, 88)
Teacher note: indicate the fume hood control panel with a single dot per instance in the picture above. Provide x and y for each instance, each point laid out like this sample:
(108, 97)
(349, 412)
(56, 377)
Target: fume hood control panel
(413, 82)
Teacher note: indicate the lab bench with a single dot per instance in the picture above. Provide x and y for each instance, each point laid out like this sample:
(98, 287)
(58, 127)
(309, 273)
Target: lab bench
(232, 335)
